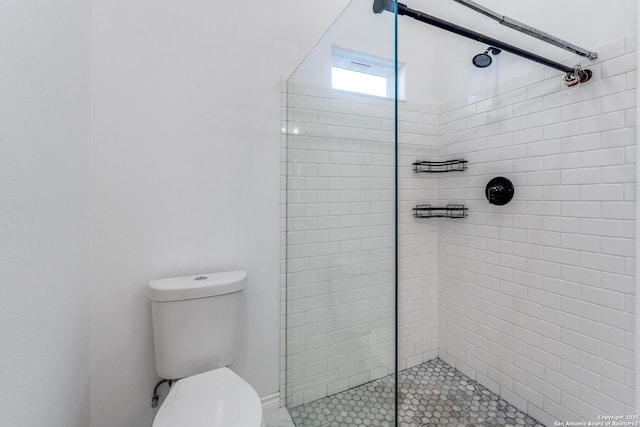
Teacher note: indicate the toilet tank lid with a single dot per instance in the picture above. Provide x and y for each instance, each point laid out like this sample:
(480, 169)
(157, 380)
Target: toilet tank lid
(197, 286)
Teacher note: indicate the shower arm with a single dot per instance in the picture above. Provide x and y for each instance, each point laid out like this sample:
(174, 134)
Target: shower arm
(573, 76)
(526, 29)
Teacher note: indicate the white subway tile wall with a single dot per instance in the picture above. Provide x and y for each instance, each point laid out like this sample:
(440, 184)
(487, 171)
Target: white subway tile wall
(340, 241)
(536, 297)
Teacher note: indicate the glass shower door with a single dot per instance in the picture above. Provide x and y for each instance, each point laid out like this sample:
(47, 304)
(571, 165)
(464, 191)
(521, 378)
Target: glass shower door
(341, 225)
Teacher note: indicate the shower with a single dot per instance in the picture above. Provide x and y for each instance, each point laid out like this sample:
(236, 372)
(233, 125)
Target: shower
(461, 250)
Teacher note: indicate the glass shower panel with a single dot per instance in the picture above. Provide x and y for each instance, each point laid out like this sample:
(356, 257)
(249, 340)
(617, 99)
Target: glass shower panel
(340, 225)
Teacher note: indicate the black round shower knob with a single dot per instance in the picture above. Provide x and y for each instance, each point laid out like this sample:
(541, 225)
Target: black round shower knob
(499, 191)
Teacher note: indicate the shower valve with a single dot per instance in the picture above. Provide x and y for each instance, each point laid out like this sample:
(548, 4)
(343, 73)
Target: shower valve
(499, 191)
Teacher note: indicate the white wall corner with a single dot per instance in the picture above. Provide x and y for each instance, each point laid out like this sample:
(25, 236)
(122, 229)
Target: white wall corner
(270, 402)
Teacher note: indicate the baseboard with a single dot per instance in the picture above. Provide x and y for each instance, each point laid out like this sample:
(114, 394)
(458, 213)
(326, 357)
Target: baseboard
(271, 402)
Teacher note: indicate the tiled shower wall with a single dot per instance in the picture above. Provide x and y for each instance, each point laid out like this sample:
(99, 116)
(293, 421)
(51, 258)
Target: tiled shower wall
(340, 292)
(536, 298)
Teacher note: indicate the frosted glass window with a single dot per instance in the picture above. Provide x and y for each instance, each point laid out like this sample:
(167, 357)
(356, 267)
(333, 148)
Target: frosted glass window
(356, 81)
(365, 74)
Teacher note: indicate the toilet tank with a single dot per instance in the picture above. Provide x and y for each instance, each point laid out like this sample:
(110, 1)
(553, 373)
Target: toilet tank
(197, 322)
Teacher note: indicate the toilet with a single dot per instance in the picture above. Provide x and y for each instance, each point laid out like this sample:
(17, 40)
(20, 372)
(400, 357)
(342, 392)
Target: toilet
(197, 324)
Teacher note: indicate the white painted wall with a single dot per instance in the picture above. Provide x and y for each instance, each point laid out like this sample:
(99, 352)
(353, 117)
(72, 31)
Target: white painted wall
(44, 238)
(186, 123)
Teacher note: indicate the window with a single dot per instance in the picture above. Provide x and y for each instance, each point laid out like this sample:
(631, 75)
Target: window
(358, 81)
(359, 73)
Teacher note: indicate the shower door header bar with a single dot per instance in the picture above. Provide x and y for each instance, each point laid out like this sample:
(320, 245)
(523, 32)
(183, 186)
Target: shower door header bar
(526, 29)
(573, 76)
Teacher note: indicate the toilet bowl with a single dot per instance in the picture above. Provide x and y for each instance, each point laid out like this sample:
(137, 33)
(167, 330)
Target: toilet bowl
(217, 398)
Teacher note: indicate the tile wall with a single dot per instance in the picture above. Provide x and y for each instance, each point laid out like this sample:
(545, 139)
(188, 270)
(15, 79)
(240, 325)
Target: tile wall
(340, 242)
(536, 298)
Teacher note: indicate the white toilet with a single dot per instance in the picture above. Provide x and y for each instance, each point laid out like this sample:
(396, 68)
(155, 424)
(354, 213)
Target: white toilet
(197, 321)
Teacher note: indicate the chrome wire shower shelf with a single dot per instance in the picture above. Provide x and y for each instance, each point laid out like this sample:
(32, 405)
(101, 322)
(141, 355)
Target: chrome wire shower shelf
(449, 211)
(457, 165)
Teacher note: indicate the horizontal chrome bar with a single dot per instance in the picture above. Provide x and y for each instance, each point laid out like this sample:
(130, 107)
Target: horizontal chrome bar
(526, 29)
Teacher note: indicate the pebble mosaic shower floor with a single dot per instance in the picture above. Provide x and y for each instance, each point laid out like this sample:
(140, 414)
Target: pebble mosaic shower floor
(431, 394)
